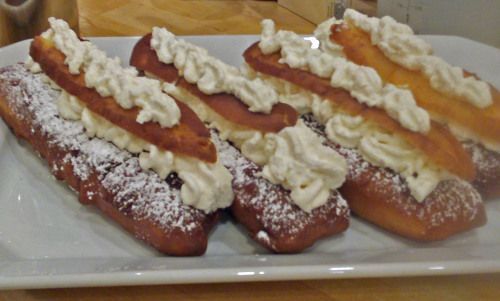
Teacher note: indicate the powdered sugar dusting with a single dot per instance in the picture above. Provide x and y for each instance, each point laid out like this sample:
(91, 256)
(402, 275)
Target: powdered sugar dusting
(134, 192)
(487, 164)
(32, 94)
(277, 212)
(452, 200)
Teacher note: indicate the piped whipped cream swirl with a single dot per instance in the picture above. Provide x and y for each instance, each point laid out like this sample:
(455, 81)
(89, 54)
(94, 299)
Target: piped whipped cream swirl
(363, 83)
(323, 32)
(295, 157)
(386, 150)
(375, 145)
(298, 160)
(210, 74)
(398, 42)
(109, 78)
(206, 186)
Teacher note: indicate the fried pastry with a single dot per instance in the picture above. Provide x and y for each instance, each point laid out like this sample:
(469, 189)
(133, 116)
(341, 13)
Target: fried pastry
(269, 214)
(398, 158)
(381, 196)
(148, 128)
(487, 169)
(284, 195)
(469, 107)
(102, 174)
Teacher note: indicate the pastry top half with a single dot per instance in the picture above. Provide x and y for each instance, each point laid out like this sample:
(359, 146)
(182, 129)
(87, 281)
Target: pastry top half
(468, 106)
(145, 58)
(246, 112)
(382, 121)
(113, 103)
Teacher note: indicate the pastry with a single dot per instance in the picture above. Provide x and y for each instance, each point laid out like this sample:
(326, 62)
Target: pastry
(101, 173)
(285, 181)
(144, 159)
(469, 107)
(406, 173)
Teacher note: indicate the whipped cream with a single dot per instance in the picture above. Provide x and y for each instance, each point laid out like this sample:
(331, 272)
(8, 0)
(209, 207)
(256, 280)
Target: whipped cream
(295, 157)
(32, 66)
(386, 150)
(464, 134)
(363, 83)
(35, 68)
(298, 160)
(375, 145)
(109, 78)
(206, 186)
(398, 42)
(323, 32)
(210, 74)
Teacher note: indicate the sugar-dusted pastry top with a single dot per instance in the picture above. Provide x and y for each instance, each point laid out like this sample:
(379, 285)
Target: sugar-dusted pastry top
(225, 104)
(398, 42)
(140, 193)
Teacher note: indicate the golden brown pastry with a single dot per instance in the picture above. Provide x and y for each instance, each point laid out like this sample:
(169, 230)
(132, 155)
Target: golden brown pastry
(404, 170)
(103, 175)
(145, 160)
(189, 137)
(452, 96)
(144, 58)
(268, 213)
(266, 210)
(382, 197)
(487, 165)
(438, 143)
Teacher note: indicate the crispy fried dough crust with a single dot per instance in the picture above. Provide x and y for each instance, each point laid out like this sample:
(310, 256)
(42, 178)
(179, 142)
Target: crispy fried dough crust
(358, 47)
(487, 165)
(382, 197)
(264, 209)
(189, 137)
(103, 175)
(228, 106)
(438, 144)
(268, 212)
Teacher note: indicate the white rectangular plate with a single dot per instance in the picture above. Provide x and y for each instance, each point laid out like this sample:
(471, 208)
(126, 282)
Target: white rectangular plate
(48, 239)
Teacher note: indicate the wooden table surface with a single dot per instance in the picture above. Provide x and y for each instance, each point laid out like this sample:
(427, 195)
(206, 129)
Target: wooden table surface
(136, 17)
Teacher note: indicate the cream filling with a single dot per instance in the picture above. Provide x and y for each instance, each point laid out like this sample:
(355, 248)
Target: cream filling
(398, 42)
(363, 83)
(323, 32)
(375, 145)
(35, 68)
(464, 134)
(210, 74)
(295, 157)
(206, 186)
(109, 78)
